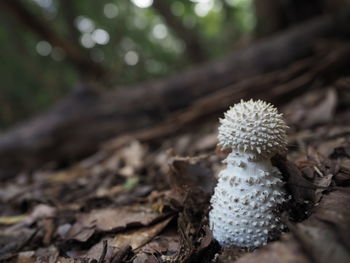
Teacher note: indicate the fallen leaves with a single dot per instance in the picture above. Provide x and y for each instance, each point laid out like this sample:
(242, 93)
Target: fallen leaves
(139, 237)
(323, 111)
(334, 211)
(131, 240)
(193, 182)
(112, 219)
(10, 244)
(144, 229)
(166, 246)
(192, 172)
(144, 203)
(323, 237)
(312, 109)
(285, 251)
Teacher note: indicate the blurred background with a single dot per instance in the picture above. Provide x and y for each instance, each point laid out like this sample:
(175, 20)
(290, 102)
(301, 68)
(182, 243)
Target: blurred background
(48, 47)
(75, 74)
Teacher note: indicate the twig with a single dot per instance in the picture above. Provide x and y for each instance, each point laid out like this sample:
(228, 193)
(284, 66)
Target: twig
(104, 251)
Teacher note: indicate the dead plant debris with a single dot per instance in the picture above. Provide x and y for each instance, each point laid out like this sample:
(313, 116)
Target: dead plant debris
(148, 202)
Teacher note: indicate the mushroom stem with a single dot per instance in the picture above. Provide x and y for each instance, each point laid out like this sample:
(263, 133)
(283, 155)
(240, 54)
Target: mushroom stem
(245, 201)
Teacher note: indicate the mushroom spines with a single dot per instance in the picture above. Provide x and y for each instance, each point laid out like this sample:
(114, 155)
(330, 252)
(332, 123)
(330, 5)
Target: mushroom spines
(250, 191)
(244, 204)
(253, 126)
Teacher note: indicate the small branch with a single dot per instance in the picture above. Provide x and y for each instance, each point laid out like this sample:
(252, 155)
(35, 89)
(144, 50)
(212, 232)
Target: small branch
(104, 251)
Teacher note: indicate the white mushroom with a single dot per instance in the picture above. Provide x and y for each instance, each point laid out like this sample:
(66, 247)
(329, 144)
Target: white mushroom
(245, 205)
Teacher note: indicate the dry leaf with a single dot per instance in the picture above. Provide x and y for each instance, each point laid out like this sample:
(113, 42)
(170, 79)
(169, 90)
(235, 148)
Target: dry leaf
(10, 220)
(323, 112)
(112, 219)
(139, 237)
(285, 251)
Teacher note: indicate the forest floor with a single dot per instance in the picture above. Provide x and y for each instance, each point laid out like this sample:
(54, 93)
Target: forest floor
(148, 201)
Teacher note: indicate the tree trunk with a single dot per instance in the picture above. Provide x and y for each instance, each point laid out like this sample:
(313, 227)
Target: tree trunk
(276, 15)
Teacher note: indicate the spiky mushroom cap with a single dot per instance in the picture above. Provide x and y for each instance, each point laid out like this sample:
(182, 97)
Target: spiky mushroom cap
(254, 127)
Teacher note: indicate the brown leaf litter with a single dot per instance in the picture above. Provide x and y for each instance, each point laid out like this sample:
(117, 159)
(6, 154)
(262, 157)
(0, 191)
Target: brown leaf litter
(147, 202)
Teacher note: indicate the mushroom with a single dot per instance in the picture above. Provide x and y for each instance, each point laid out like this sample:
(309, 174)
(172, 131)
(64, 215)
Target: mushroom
(245, 205)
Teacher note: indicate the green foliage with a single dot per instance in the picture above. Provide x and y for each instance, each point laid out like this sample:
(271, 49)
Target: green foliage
(139, 45)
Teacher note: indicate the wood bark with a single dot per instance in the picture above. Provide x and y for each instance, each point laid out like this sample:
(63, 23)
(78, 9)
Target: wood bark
(275, 15)
(277, 87)
(76, 126)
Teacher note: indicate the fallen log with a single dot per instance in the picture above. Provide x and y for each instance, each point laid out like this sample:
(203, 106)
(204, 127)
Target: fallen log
(277, 87)
(75, 127)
